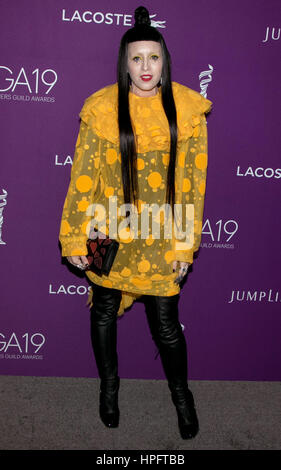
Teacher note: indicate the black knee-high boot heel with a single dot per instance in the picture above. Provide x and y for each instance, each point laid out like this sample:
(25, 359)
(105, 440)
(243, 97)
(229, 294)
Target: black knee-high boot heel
(104, 341)
(162, 314)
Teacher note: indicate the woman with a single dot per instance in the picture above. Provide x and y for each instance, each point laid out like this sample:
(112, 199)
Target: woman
(142, 143)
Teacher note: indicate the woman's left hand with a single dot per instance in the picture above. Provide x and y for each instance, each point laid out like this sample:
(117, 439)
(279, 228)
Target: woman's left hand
(182, 270)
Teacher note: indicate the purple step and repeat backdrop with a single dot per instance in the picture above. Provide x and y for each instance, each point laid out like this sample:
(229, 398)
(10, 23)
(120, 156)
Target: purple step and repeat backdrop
(56, 53)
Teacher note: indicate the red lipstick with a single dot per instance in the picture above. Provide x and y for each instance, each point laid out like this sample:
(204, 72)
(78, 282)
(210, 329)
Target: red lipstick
(146, 78)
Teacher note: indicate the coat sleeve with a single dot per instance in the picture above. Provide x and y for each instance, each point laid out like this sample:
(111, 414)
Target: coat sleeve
(193, 187)
(82, 187)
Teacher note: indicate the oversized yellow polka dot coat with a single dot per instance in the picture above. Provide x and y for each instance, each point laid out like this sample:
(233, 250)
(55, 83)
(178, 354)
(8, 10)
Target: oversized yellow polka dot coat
(143, 264)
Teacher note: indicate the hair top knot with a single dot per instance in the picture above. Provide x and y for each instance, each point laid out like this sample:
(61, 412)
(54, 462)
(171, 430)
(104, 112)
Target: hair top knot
(142, 17)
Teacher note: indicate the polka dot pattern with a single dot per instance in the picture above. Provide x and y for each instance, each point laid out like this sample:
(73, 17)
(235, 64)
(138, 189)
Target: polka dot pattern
(151, 125)
(143, 264)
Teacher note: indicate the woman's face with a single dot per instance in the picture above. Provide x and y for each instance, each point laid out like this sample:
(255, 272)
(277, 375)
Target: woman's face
(145, 62)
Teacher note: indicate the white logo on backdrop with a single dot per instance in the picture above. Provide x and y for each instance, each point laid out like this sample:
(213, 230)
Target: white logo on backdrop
(256, 296)
(119, 19)
(157, 24)
(204, 82)
(33, 84)
(3, 202)
(274, 36)
(71, 290)
(259, 172)
(24, 346)
(220, 235)
(62, 161)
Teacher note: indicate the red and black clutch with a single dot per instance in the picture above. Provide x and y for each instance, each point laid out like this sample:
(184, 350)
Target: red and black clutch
(102, 251)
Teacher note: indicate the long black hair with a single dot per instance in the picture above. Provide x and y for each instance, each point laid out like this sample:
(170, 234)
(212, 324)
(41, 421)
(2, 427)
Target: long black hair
(143, 31)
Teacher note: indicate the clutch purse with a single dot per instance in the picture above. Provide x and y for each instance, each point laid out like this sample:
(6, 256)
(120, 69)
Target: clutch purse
(102, 251)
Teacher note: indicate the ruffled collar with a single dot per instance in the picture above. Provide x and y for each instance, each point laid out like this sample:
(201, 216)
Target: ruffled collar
(148, 117)
(148, 98)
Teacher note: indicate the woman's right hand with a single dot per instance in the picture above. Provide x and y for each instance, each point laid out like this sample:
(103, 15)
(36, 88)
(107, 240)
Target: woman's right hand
(80, 262)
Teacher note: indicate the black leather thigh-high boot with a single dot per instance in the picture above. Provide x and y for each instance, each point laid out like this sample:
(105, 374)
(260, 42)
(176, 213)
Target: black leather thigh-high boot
(104, 310)
(162, 315)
